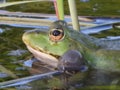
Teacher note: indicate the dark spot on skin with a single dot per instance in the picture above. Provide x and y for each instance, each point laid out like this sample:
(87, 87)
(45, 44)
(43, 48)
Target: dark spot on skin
(70, 45)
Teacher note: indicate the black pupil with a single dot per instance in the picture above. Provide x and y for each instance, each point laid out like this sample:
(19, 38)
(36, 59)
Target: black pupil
(56, 33)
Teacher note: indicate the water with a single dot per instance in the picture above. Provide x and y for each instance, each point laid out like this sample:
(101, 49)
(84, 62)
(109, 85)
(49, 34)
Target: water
(14, 57)
(13, 54)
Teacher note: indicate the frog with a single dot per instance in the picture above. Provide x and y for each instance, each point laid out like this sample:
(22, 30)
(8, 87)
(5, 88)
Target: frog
(62, 46)
(55, 38)
(48, 46)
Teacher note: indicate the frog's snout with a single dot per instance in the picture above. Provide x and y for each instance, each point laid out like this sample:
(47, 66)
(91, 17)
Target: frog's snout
(71, 61)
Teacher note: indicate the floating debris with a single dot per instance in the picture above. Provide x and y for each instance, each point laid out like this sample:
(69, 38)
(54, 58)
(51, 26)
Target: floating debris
(116, 25)
(25, 80)
(18, 62)
(20, 68)
(29, 62)
(17, 52)
(84, 0)
(1, 31)
(3, 75)
(113, 37)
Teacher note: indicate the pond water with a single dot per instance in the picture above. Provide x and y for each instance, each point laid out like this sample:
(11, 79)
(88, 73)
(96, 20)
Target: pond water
(13, 54)
(12, 51)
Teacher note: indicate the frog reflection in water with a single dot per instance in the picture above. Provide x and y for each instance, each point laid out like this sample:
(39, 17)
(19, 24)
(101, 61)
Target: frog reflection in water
(101, 55)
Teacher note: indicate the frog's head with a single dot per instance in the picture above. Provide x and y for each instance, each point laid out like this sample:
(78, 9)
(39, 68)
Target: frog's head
(49, 45)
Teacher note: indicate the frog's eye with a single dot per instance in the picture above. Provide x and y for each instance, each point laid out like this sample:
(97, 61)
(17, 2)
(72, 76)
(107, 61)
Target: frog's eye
(56, 35)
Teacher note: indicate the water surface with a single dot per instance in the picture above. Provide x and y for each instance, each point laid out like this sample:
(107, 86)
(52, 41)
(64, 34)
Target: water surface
(13, 54)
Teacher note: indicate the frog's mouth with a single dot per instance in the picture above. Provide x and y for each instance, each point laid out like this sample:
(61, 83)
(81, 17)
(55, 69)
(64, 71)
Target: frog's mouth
(44, 57)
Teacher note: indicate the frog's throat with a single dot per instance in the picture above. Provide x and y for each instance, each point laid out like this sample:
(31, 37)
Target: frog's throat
(43, 57)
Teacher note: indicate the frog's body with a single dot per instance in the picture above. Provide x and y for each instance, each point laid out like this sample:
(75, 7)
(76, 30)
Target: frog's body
(48, 46)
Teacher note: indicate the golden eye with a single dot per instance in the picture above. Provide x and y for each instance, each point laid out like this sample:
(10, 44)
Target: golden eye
(56, 35)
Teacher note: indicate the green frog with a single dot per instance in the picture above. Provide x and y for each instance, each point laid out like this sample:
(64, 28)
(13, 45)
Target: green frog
(49, 46)
(64, 48)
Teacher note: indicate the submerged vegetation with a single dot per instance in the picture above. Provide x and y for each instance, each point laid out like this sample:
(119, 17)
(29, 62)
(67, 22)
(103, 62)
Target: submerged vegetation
(12, 53)
(89, 8)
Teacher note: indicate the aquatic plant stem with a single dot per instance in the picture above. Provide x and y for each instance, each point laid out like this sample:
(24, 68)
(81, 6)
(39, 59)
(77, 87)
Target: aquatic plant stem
(5, 70)
(74, 17)
(60, 9)
(56, 9)
(25, 80)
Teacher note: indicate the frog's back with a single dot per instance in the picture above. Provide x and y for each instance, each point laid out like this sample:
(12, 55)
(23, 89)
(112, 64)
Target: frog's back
(109, 44)
(92, 42)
